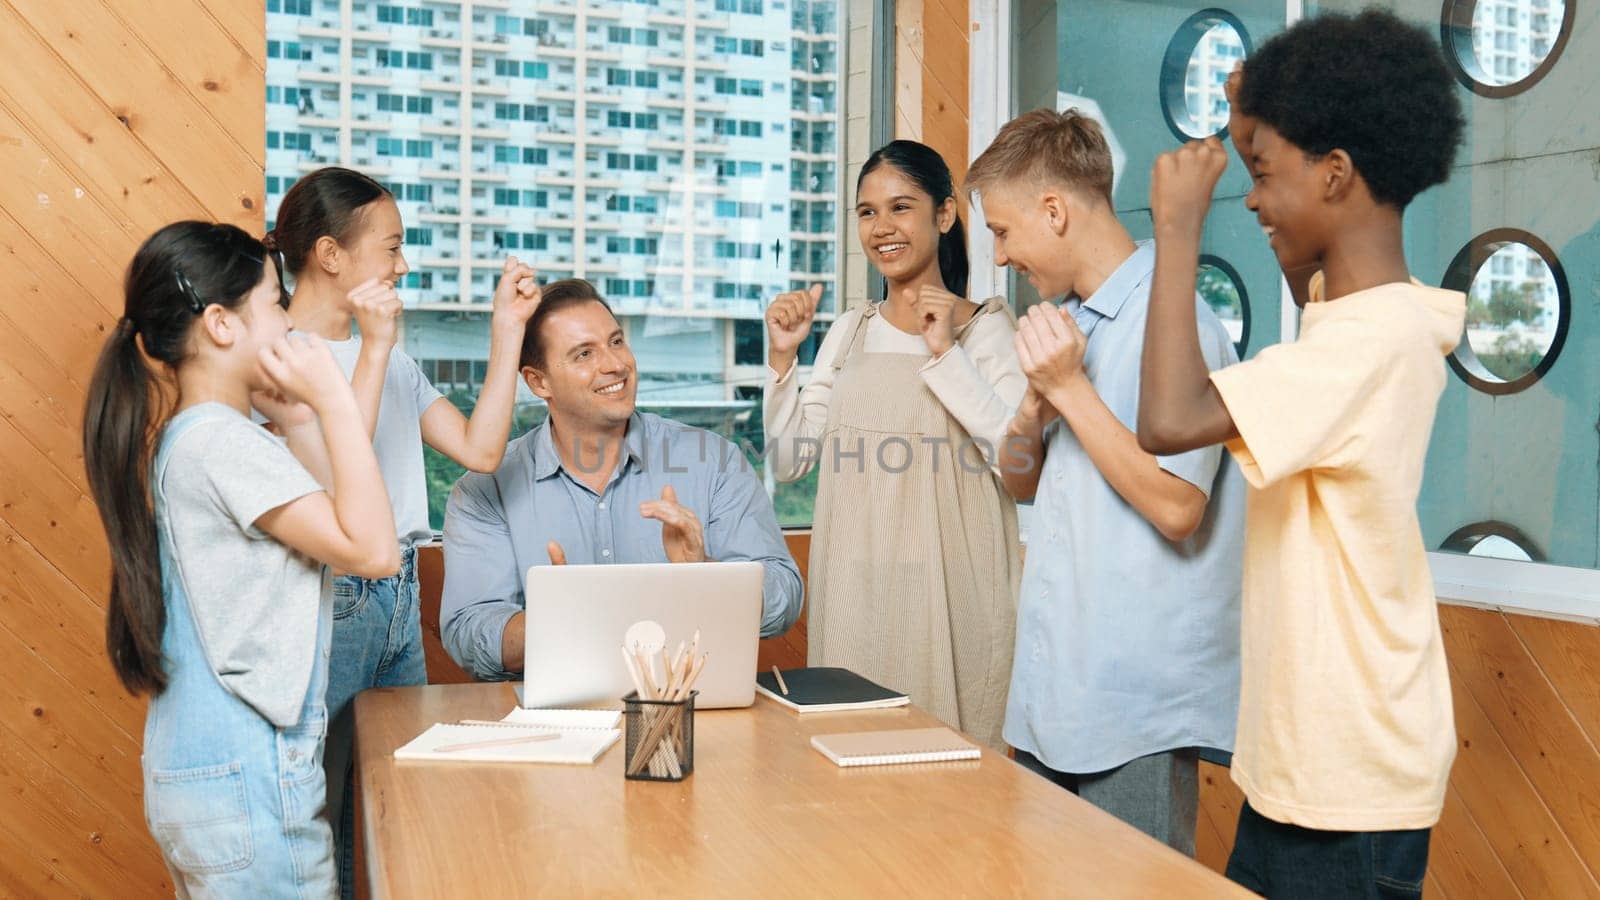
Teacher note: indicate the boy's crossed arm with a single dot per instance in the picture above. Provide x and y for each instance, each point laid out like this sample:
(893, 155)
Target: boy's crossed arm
(1051, 347)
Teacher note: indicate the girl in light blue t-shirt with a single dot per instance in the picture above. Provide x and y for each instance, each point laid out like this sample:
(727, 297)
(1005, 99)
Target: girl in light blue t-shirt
(217, 608)
(340, 236)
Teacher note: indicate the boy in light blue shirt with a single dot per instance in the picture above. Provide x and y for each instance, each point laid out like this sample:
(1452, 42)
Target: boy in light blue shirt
(1127, 654)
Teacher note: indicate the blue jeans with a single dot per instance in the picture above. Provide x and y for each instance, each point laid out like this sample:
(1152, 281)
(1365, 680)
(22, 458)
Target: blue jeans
(1275, 859)
(235, 804)
(377, 642)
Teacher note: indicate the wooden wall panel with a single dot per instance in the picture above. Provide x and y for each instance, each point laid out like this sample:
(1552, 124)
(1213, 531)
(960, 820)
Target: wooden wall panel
(1494, 667)
(156, 106)
(944, 82)
(931, 59)
(116, 117)
(788, 650)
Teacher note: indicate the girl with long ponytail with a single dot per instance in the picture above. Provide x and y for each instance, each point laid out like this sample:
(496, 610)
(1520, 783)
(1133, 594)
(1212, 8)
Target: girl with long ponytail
(914, 557)
(219, 533)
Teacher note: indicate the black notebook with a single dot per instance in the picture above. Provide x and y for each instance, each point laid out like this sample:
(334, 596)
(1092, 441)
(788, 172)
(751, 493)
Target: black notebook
(827, 689)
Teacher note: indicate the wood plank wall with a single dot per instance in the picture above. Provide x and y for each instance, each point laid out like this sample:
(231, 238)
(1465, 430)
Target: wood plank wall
(115, 118)
(930, 60)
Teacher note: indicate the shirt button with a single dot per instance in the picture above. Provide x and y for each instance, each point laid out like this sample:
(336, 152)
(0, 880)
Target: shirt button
(606, 552)
(602, 504)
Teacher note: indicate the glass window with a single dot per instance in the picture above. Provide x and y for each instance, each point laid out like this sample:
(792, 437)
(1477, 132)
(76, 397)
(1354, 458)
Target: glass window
(1518, 310)
(1502, 47)
(1511, 468)
(647, 244)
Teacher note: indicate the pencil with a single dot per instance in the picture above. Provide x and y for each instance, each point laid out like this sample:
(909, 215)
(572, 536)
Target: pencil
(781, 686)
(498, 742)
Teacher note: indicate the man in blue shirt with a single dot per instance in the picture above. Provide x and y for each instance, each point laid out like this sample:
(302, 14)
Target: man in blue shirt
(597, 482)
(1127, 655)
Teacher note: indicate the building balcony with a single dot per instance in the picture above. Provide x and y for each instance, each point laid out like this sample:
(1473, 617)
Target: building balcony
(328, 27)
(369, 35)
(443, 214)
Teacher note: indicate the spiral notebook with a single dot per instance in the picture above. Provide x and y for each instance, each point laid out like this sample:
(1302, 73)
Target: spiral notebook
(892, 747)
(580, 737)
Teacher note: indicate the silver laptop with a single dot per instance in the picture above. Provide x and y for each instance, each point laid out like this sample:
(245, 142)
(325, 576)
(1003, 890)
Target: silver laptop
(577, 617)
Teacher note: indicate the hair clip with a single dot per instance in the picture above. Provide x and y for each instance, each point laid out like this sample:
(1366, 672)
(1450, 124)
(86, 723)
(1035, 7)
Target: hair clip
(191, 295)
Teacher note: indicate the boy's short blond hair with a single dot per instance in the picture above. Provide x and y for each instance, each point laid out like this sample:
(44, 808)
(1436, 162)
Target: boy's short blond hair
(1045, 148)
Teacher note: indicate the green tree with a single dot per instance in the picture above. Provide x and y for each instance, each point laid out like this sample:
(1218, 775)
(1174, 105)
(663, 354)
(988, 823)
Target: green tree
(1514, 355)
(1507, 305)
(441, 472)
(1220, 293)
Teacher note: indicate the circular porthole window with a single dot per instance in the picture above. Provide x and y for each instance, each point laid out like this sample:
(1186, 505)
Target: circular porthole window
(1498, 48)
(1494, 540)
(1518, 310)
(1221, 287)
(1194, 73)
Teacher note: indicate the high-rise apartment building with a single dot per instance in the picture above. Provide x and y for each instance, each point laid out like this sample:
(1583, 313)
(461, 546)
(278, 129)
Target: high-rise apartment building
(683, 155)
(1512, 37)
(1205, 82)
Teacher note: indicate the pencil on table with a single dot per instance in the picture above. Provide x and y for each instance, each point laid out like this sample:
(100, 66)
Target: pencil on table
(498, 742)
(781, 686)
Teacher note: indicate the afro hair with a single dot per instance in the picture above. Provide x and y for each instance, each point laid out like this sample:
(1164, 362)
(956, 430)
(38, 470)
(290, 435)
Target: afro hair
(1368, 84)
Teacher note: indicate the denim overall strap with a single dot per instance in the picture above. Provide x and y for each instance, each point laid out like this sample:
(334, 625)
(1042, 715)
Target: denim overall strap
(234, 803)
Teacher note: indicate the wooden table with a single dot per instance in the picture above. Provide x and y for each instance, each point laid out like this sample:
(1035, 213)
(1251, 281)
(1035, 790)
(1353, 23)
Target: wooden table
(763, 813)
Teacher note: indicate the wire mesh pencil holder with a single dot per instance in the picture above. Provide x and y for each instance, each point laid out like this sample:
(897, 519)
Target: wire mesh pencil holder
(659, 738)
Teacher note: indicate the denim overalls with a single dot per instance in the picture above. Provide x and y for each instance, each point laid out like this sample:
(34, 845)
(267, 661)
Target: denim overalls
(235, 804)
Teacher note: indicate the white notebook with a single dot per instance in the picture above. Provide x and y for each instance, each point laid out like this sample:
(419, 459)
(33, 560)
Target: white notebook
(564, 718)
(894, 746)
(581, 736)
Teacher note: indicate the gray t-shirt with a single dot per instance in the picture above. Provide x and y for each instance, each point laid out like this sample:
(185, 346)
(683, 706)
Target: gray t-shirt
(256, 601)
(397, 440)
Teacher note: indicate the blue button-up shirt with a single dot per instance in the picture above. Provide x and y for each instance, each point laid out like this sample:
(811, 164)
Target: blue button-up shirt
(497, 526)
(1127, 644)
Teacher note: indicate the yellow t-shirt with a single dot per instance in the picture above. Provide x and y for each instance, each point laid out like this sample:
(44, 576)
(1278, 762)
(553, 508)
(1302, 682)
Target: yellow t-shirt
(1345, 719)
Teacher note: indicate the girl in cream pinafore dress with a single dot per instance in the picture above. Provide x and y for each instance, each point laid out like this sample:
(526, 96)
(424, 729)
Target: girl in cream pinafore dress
(914, 564)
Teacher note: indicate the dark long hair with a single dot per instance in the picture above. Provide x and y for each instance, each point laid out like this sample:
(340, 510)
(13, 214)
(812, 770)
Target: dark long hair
(927, 168)
(327, 202)
(177, 273)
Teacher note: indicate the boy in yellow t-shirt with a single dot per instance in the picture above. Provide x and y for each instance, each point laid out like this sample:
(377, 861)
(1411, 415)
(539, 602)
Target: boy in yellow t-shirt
(1345, 734)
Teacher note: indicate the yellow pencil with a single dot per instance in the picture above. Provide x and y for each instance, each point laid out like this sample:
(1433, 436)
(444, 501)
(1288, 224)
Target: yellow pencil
(781, 686)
